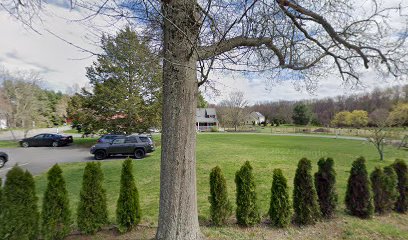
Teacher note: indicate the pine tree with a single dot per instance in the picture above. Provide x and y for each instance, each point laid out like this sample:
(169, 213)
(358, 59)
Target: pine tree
(220, 208)
(306, 210)
(19, 220)
(401, 169)
(128, 212)
(279, 211)
(92, 211)
(377, 177)
(247, 210)
(55, 215)
(390, 182)
(325, 183)
(358, 196)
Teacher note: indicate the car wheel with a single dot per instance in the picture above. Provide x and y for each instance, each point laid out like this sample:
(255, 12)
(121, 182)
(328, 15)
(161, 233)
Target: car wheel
(139, 153)
(2, 162)
(55, 144)
(99, 155)
(25, 144)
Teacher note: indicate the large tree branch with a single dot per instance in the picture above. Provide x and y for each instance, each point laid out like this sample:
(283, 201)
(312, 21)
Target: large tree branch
(207, 52)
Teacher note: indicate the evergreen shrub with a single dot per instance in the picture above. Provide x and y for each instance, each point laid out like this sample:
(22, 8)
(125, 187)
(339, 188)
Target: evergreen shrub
(128, 212)
(358, 195)
(247, 212)
(279, 211)
(20, 216)
(401, 169)
(220, 209)
(325, 183)
(306, 210)
(92, 212)
(55, 215)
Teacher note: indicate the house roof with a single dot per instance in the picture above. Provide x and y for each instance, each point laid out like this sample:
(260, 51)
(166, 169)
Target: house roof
(201, 114)
(256, 115)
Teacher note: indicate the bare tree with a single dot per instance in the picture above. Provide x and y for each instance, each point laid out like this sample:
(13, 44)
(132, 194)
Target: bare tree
(302, 39)
(379, 118)
(233, 110)
(20, 94)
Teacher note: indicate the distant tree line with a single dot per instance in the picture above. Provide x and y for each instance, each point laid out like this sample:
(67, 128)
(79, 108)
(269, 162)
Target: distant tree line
(24, 103)
(323, 111)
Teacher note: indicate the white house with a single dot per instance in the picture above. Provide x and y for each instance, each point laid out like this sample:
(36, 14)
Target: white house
(3, 123)
(255, 118)
(206, 118)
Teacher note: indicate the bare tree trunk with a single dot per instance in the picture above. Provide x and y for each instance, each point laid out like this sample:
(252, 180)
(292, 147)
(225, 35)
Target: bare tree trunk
(178, 218)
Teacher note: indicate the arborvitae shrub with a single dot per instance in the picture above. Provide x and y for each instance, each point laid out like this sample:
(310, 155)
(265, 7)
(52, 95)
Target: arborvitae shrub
(401, 169)
(358, 196)
(55, 215)
(221, 207)
(19, 220)
(390, 182)
(279, 211)
(325, 181)
(247, 210)
(377, 186)
(306, 210)
(92, 212)
(128, 212)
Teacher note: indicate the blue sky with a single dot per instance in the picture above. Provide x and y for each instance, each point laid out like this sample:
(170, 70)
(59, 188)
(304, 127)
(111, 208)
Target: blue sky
(62, 65)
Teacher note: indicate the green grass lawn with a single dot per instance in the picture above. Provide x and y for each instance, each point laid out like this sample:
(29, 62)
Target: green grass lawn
(70, 131)
(84, 142)
(8, 144)
(265, 153)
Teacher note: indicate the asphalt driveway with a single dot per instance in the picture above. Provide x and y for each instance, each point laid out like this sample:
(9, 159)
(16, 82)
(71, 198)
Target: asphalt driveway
(39, 159)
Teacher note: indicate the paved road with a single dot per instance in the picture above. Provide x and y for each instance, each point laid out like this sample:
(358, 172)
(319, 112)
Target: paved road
(39, 159)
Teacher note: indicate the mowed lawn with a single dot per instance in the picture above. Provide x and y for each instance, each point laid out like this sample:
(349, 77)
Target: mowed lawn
(265, 152)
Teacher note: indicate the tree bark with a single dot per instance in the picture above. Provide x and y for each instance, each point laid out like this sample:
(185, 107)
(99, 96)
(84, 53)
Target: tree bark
(178, 218)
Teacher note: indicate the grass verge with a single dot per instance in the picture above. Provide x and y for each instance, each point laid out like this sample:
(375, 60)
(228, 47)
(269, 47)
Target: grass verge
(265, 153)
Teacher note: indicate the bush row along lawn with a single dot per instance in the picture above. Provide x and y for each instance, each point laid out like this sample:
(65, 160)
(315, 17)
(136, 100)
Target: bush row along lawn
(230, 151)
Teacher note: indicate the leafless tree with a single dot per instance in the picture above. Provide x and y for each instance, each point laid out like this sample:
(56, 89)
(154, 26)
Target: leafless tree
(233, 110)
(20, 91)
(378, 135)
(302, 40)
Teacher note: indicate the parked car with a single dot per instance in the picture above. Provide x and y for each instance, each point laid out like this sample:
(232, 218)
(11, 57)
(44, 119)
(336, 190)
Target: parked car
(108, 138)
(135, 145)
(46, 139)
(3, 159)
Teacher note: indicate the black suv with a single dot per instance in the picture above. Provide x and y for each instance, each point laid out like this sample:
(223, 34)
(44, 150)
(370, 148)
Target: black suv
(3, 159)
(136, 145)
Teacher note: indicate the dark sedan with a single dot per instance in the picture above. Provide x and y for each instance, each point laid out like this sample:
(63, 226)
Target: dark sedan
(3, 159)
(46, 139)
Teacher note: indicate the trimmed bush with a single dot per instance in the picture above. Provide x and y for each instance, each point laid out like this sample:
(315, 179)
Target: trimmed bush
(1, 199)
(92, 212)
(247, 210)
(377, 177)
(384, 185)
(325, 183)
(279, 211)
(220, 208)
(55, 216)
(306, 210)
(401, 169)
(358, 196)
(19, 220)
(128, 212)
(390, 181)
